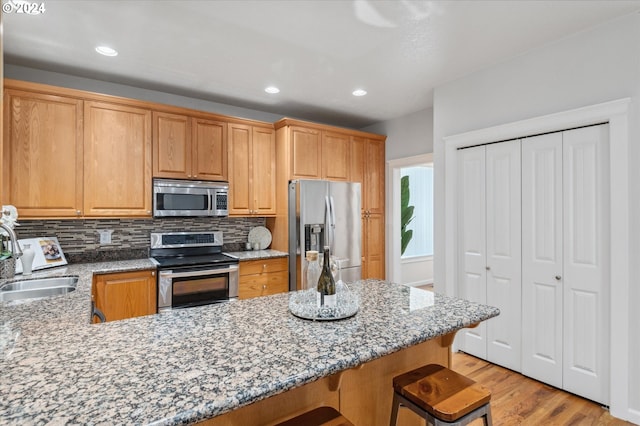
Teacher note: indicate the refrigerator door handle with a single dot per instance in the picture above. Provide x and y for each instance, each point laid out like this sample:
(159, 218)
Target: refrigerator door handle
(327, 222)
(333, 222)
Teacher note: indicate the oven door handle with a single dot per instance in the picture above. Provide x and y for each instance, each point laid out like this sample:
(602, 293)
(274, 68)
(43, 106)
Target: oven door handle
(170, 274)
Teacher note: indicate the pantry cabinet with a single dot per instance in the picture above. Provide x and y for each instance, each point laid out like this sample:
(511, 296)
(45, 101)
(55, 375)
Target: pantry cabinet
(263, 277)
(125, 295)
(367, 167)
(186, 147)
(252, 170)
(42, 168)
(319, 154)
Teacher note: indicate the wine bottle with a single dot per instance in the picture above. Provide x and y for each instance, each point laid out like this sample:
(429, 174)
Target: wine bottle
(326, 295)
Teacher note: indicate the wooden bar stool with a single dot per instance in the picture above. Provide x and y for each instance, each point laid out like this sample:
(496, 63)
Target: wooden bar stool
(322, 416)
(441, 396)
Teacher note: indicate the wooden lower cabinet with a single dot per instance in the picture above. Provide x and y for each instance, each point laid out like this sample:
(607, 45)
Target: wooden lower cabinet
(125, 295)
(263, 277)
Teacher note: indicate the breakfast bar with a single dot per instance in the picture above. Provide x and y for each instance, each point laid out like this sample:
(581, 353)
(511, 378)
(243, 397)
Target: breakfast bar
(243, 362)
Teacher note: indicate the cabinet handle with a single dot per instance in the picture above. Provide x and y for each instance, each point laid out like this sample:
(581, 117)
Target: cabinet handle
(558, 277)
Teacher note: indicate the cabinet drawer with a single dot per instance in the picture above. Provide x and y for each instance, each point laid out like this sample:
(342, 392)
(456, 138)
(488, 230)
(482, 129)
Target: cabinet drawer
(251, 267)
(263, 284)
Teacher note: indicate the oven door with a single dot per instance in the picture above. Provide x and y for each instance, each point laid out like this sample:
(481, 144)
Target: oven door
(195, 286)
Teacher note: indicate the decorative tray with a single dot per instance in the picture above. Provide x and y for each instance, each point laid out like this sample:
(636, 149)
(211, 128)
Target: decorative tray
(303, 304)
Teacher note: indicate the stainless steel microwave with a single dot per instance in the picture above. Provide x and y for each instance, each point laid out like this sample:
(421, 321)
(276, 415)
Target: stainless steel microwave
(175, 198)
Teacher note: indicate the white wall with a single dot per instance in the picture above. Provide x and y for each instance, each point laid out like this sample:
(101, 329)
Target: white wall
(591, 67)
(407, 136)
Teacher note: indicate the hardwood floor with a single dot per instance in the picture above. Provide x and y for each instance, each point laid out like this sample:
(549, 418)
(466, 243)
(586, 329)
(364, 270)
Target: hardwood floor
(518, 400)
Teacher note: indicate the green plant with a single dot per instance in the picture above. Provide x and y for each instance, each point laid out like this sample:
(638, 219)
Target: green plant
(406, 214)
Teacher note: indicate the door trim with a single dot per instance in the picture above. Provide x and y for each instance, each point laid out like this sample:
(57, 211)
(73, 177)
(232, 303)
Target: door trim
(616, 113)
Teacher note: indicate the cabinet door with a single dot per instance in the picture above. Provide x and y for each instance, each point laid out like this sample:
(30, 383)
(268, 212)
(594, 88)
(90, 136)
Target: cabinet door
(263, 277)
(126, 294)
(585, 262)
(374, 176)
(356, 173)
(209, 149)
(373, 236)
(336, 155)
(239, 148)
(503, 253)
(472, 257)
(42, 166)
(117, 159)
(306, 153)
(171, 145)
(263, 162)
(542, 258)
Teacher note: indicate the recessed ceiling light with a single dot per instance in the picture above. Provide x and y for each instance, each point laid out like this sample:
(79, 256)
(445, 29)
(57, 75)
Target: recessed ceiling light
(106, 51)
(359, 92)
(272, 90)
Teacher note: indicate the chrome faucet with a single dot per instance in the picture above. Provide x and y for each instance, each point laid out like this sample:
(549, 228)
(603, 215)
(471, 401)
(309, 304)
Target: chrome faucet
(15, 247)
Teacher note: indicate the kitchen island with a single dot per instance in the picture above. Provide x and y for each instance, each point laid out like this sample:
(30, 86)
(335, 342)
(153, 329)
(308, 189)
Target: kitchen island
(248, 362)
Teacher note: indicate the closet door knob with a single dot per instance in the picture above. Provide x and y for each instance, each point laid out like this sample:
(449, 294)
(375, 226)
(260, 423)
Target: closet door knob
(558, 277)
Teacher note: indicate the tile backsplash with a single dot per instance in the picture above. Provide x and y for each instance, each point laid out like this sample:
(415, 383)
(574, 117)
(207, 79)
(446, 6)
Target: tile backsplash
(80, 240)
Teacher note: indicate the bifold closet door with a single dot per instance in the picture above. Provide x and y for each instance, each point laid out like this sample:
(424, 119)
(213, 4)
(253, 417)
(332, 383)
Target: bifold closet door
(472, 257)
(503, 252)
(565, 265)
(542, 258)
(586, 262)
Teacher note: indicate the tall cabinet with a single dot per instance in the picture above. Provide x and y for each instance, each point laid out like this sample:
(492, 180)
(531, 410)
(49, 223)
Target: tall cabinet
(532, 240)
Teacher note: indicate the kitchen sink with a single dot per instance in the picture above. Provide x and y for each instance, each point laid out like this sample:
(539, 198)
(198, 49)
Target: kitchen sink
(37, 288)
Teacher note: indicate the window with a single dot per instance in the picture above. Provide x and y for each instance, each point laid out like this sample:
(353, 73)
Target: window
(421, 197)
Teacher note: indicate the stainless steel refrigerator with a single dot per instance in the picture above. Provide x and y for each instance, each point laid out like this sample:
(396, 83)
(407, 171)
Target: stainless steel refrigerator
(324, 213)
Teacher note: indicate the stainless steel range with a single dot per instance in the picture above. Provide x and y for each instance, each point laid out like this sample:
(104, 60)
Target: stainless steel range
(192, 270)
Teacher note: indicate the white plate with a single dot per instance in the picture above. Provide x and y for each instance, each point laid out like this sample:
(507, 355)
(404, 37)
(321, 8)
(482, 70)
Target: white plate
(260, 235)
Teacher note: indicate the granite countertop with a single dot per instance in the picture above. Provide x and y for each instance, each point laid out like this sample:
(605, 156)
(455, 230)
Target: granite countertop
(257, 254)
(187, 365)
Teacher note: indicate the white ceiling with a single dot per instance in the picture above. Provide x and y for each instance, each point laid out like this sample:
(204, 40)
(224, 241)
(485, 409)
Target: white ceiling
(316, 51)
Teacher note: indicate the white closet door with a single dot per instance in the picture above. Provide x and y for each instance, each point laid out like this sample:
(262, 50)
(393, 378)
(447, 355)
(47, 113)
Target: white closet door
(542, 258)
(503, 253)
(472, 255)
(586, 265)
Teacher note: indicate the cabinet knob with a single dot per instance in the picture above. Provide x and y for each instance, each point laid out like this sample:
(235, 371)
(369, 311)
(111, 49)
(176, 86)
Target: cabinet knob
(264, 286)
(148, 211)
(558, 277)
(78, 212)
(153, 273)
(488, 268)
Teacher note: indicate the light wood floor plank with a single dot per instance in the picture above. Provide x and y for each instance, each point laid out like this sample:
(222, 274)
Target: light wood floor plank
(519, 400)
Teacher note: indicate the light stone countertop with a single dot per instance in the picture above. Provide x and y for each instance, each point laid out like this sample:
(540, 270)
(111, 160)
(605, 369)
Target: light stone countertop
(257, 254)
(191, 364)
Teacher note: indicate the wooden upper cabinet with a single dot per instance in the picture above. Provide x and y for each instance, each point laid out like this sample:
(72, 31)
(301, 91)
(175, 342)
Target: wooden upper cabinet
(356, 172)
(336, 153)
(187, 147)
(42, 154)
(117, 159)
(252, 166)
(209, 149)
(306, 153)
(171, 145)
(263, 163)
